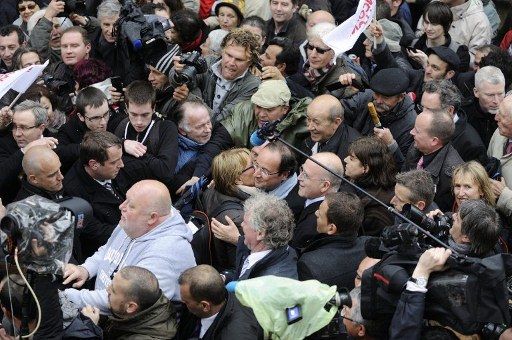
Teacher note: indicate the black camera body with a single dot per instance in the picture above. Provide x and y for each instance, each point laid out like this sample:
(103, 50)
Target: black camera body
(194, 64)
(74, 6)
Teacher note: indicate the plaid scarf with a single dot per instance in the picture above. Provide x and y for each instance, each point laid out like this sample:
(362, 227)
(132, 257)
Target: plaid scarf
(314, 75)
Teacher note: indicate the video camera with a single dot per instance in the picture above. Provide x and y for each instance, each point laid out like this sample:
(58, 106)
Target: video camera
(145, 33)
(73, 6)
(194, 64)
(42, 231)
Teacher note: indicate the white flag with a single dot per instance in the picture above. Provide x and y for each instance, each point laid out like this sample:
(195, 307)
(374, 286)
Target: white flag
(343, 37)
(20, 80)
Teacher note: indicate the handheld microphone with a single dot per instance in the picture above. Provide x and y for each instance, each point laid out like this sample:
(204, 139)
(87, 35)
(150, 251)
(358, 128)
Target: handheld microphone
(267, 131)
(373, 115)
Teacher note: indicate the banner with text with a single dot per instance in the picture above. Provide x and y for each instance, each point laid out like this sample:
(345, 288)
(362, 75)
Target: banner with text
(343, 37)
(20, 80)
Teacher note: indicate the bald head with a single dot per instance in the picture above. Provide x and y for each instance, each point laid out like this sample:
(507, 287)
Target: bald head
(42, 168)
(318, 17)
(325, 114)
(37, 157)
(332, 162)
(155, 196)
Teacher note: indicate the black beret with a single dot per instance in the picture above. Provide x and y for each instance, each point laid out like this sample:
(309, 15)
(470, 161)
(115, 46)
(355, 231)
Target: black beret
(390, 82)
(447, 55)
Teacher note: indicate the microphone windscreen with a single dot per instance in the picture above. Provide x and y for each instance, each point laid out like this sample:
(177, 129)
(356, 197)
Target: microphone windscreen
(231, 286)
(256, 139)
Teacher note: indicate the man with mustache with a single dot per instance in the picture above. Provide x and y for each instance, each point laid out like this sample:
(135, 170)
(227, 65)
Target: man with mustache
(394, 108)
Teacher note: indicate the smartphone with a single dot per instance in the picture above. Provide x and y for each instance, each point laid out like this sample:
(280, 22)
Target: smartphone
(117, 83)
(412, 49)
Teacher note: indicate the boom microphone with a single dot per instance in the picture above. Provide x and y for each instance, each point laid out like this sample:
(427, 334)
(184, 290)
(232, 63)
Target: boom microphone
(373, 115)
(268, 130)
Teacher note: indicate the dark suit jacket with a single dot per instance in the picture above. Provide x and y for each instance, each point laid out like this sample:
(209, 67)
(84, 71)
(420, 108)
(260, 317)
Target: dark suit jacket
(332, 259)
(105, 206)
(467, 142)
(281, 261)
(338, 143)
(441, 170)
(295, 202)
(305, 226)
(234, 321)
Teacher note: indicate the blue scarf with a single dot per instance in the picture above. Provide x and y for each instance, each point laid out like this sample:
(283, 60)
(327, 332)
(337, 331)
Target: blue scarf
(285, 187)
(188, 149)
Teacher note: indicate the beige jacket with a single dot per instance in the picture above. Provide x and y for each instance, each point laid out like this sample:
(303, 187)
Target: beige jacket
(495, 149)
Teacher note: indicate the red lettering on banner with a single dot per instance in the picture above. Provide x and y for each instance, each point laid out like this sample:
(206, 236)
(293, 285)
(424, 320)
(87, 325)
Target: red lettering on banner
(364, 16)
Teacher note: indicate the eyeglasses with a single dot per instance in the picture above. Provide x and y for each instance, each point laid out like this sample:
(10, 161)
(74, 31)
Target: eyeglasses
(98, 119)
(342, 314)
(305, 176)
(263, 171)
(22, 128)
(248, 168)
(29, 7)
(318, 49)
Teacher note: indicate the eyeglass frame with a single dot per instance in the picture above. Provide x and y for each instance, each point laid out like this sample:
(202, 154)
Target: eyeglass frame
(264, 171)
(23, 129)
(305, 176)
(98, 119)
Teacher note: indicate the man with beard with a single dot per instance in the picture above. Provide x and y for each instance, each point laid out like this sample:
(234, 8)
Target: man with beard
(394, 108)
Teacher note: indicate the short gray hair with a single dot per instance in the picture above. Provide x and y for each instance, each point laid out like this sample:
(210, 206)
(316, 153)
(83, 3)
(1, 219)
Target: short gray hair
(442, 126)
(449, 94)
(109, 8)
(273, 216)
(489, 74)
(420, 185)
(320, 30)
(39, 112)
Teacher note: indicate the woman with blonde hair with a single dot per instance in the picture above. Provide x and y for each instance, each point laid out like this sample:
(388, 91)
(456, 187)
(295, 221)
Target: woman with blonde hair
(233, 183)
(470, 181)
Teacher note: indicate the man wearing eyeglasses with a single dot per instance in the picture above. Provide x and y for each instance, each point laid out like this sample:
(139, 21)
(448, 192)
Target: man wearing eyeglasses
(28, 124)
(92, 114)
(314, 183)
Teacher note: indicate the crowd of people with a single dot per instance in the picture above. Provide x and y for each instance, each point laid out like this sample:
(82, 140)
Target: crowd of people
(221, 141)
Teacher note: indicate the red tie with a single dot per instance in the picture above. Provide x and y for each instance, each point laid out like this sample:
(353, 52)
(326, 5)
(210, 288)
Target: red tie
(420, 164)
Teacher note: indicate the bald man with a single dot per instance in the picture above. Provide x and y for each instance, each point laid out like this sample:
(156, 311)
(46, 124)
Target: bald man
(327, 130)
(314, 183)
(151, 235)
(318, 17)
(41, 166)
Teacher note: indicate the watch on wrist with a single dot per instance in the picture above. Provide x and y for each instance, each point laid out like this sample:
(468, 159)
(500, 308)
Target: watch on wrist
(420, 281)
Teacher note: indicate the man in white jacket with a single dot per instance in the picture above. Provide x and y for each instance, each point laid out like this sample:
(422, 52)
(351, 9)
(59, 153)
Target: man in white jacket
(151, 235)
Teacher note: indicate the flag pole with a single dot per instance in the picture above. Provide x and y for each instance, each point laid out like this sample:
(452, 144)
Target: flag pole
(15, 100)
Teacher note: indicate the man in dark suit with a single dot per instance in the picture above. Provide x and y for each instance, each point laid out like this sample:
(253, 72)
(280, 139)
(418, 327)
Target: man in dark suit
(93, 179)
(211, 312)
(314, 183)
(263, 250)
(432, 151)
(334, 254)
(328, 132)
(444, 95)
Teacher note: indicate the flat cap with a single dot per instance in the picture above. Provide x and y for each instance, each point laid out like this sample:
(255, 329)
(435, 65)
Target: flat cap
(272, 93)
(447, 55)
(390, 82)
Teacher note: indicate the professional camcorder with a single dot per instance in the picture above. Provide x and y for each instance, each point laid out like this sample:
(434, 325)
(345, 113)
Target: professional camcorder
(194, 64)
(145, 33)
(42, 231)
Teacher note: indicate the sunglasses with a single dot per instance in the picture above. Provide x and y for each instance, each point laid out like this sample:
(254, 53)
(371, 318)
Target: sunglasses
(30, 7)
(318, 49)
